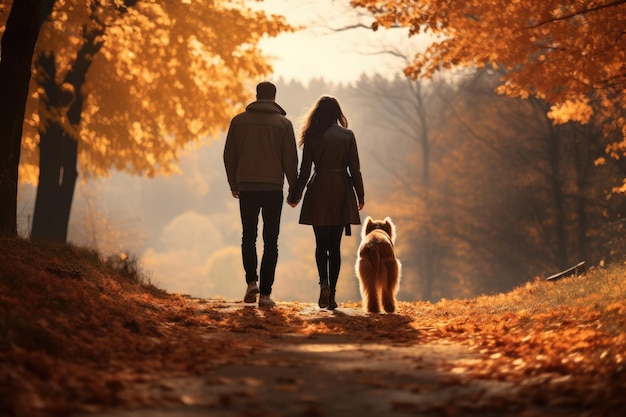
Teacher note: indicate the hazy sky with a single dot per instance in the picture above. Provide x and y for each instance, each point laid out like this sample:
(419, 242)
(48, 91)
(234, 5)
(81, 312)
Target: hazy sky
(335, 56)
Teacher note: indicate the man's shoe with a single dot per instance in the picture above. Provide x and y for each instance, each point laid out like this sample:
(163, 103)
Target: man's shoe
(251, 292)
(324, 293)
(266, 301)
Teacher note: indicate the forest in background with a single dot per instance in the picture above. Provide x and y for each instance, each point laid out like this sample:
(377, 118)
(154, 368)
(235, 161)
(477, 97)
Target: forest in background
(486, 192)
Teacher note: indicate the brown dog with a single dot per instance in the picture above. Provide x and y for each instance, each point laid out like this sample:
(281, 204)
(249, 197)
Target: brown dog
(377, 268)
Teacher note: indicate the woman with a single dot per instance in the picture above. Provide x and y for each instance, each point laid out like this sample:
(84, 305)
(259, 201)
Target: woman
(330, 204)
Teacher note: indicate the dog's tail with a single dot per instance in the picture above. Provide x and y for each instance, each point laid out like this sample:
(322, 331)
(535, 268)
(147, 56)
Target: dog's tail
(375, 257)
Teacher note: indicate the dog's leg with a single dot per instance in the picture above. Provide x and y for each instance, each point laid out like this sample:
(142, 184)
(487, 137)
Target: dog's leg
(390, 285)
(369, 287)
(372, 304)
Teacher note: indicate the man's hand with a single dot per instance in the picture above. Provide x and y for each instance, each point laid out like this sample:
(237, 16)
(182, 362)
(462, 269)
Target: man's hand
(235, 193)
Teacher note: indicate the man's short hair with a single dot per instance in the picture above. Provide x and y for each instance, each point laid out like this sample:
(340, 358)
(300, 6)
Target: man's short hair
(265, 91)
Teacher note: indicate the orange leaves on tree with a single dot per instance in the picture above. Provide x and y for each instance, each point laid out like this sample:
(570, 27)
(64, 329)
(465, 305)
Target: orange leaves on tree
(568, 53)
(168, 74)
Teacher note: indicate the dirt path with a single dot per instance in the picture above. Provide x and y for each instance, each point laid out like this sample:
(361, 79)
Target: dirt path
(341, 374)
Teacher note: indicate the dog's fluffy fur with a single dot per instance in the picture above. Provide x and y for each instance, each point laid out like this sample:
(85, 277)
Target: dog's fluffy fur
(377, 268)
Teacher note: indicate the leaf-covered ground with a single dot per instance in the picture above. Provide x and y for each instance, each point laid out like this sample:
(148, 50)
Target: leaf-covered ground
(80, 336)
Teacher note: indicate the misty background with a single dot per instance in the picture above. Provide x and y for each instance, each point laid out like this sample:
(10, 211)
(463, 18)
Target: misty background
(486, 194)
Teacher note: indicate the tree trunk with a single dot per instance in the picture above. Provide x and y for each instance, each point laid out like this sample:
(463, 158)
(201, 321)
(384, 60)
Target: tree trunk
(58, 149)
(556, 182)
(57, 158)
(18, 45)
(57, 180)
(581, 192)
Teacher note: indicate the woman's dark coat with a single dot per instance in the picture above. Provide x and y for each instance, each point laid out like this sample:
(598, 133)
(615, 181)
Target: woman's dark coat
(332, 193)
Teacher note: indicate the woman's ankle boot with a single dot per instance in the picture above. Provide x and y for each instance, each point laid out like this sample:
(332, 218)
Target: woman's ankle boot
(324, 296)
(332, 304)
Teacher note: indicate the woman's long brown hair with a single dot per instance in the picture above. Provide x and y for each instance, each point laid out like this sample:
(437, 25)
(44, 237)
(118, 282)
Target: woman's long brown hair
(324, 114)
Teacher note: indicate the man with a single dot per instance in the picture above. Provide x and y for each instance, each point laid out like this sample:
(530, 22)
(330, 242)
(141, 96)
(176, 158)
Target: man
(260, 151)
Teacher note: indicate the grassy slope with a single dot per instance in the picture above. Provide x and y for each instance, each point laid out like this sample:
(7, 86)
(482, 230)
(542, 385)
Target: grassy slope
(75, 330)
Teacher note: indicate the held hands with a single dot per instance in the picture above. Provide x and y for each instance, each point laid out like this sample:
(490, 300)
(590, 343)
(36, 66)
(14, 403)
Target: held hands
(361, 205)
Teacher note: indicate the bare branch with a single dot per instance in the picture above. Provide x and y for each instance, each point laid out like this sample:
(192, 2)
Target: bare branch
(578, 13)
(350, 27)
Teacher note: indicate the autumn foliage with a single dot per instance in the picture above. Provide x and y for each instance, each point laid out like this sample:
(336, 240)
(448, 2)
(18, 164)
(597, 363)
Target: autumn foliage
(83, 333)
(570, 54)
(166, 75)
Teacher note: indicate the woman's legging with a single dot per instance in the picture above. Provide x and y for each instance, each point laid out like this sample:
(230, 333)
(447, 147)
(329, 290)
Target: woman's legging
(328, 253)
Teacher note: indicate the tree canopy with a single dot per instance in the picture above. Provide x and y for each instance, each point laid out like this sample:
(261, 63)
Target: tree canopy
(571, 54)
(168, 74)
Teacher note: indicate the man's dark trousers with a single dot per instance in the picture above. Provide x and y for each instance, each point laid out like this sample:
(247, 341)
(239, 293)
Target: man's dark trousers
(269, 204)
